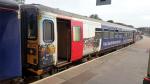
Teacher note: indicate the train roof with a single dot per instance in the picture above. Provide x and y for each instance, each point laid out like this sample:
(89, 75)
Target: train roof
(8, 4)
(64, 13)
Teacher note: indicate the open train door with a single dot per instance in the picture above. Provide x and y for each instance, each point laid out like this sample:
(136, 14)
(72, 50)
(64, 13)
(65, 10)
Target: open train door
(77, 40)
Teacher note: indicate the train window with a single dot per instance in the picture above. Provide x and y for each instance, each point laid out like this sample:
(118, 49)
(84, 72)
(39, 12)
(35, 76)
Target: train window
(105, 34)
(125, 34)
(111, 34)
(120, 35)
(48, 31)
(131, 34)
(76, 33)
(116, 34)
(32, 29)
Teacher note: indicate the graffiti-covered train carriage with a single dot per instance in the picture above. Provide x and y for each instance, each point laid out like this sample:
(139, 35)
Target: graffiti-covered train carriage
(47, 38)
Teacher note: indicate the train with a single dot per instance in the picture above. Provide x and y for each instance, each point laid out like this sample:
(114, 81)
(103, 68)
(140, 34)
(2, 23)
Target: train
(37, 39)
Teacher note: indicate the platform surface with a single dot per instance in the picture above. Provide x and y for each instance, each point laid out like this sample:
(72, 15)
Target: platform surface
(124, 66)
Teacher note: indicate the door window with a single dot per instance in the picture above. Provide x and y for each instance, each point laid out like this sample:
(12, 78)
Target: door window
(76, 33)
(48, 31)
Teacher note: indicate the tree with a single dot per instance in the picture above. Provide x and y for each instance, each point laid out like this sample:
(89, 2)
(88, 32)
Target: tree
(95, 16)
(124, 24)
(130, 26)
(111, 21)
(20, 1)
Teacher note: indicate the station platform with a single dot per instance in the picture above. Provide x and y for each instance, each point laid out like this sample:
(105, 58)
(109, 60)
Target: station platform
(125, 66)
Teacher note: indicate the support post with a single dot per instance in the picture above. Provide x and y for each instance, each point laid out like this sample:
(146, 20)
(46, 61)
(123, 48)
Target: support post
(148, 70)
(147, 79)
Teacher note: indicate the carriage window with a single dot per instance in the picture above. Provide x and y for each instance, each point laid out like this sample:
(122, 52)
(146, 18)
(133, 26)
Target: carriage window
(116, 34)
(48, 31)
(32, 29)
(111, 34)
(126, 34)
(105, 34)
(76, 33)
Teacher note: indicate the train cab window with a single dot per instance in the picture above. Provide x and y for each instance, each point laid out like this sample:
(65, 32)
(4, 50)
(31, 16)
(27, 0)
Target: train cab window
(76, 33)
(32, 29)
(48, 31)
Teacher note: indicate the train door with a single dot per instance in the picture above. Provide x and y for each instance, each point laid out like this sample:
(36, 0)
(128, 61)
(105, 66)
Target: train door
(64, 40)
(77, 40)
(133, 35)
(29, 39)
(47, 40)
(98, 38)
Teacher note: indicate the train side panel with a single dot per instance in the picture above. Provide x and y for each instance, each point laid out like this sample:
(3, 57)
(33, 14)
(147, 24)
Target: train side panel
(10, 47)
(90, 43)
(114, 35)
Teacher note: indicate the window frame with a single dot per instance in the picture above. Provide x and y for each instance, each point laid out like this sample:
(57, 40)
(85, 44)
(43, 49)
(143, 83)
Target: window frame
(52, 32)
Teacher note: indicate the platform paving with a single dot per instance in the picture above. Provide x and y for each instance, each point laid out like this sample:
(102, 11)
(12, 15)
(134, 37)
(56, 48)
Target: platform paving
(124, 66)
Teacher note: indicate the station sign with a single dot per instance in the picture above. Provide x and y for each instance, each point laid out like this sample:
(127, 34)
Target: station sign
(103, 2)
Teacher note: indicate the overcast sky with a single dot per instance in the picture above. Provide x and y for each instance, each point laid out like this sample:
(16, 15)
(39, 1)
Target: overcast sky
(133, 12)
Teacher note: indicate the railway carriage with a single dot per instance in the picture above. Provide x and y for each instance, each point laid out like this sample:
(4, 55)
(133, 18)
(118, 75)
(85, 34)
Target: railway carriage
(56, 38)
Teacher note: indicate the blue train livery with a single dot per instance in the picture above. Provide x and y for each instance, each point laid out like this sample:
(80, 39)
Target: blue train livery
(10, 47)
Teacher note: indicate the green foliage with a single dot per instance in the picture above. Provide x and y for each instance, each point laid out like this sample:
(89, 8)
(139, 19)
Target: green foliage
(20, 1)
(95, 16)
(111, 21)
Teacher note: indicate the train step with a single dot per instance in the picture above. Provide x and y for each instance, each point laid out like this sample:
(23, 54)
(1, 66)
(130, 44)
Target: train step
(62, 63)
